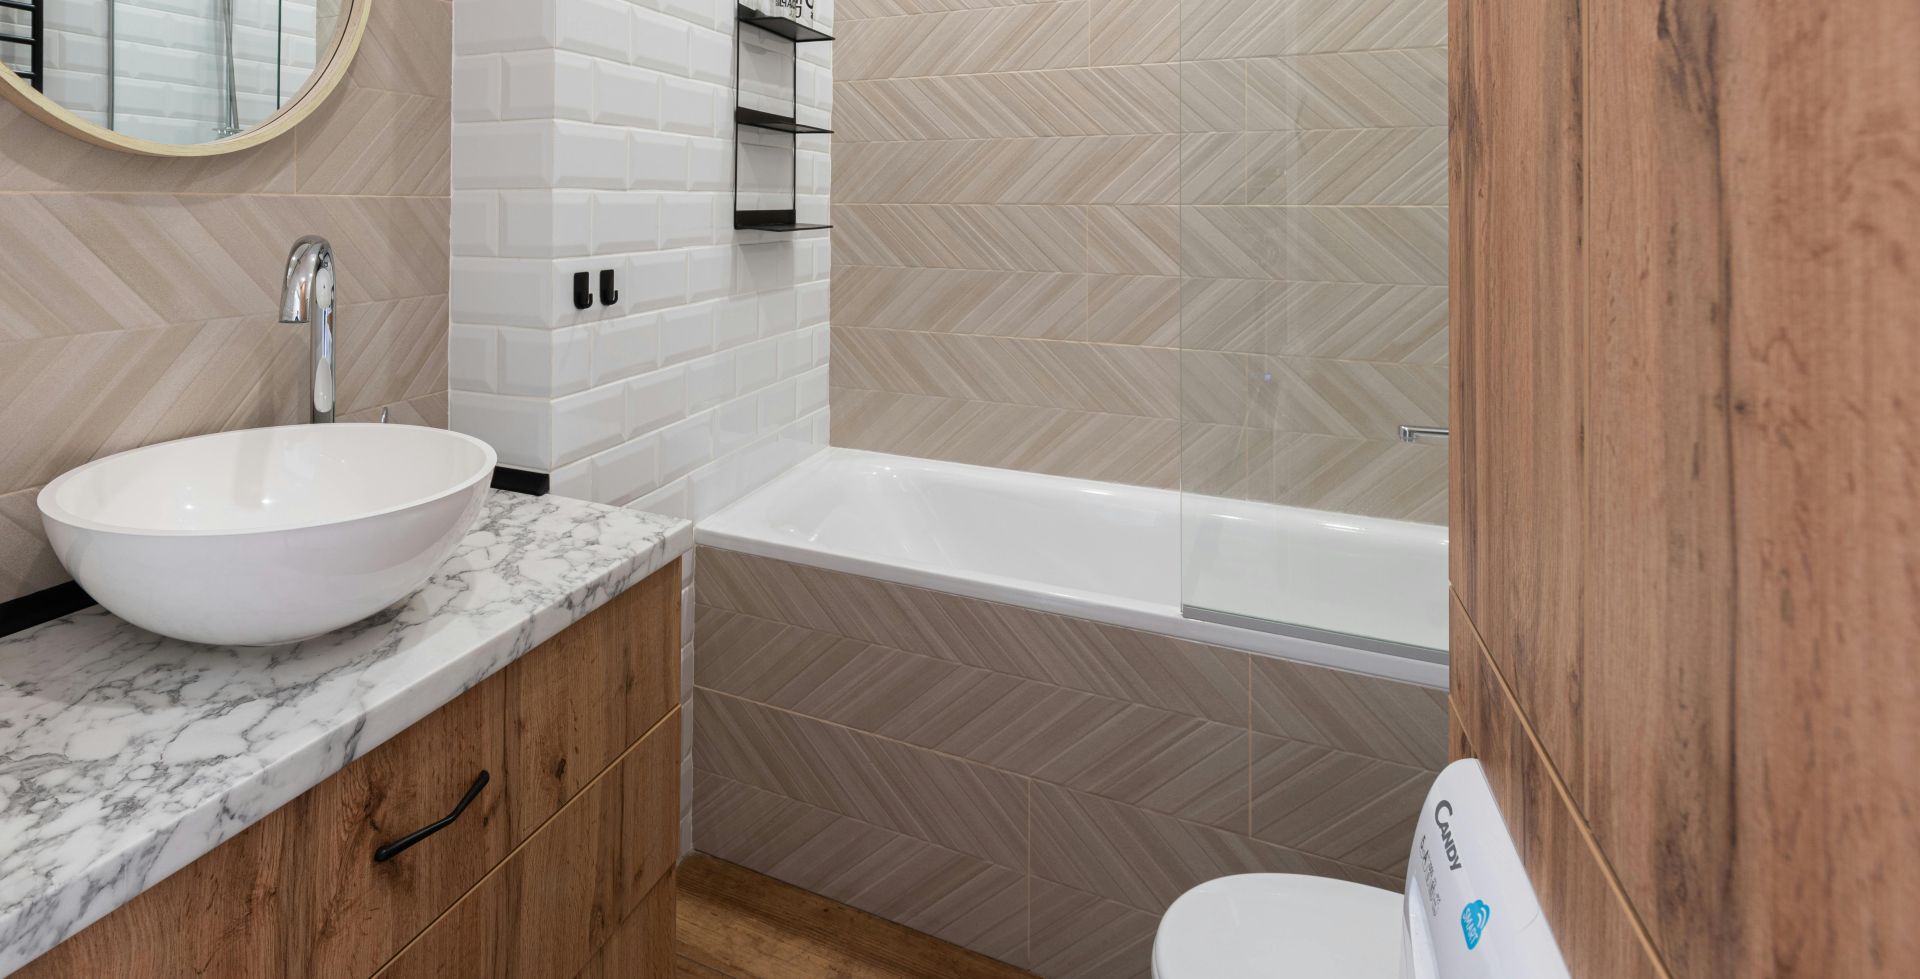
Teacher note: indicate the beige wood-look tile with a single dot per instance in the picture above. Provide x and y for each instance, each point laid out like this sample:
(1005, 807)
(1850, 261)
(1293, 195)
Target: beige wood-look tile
(1212, 29)
(1135, 240)
(1116, 378)
(27, 564)
(391, 352)
(1166, 762)
(1101, 101)
(110, 262)
(1359, 321)
(408, 48)
(68, 400)
(1403, 723)
(994, 39)
(1077, 935)
(1213, 96)
(1360, 811)
(1133, 309)
(1145, 860)
(942, 892)
(1087, 445)
(1037, 238)
(1133, 32)
(1374, 477)
(38, 157)
(372, 142)
(1054, 170)
(1350, 90)
(1040, 305)
(1124, 665)
(959, 805)
(1356, 399)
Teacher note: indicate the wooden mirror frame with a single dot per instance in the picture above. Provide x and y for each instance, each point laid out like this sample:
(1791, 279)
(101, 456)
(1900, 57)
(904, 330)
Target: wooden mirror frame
(325, 78)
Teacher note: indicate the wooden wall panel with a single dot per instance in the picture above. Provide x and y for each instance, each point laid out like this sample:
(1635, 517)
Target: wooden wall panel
(1517, 343)
(1688, 633)
(1657, 622)
(1820, 104)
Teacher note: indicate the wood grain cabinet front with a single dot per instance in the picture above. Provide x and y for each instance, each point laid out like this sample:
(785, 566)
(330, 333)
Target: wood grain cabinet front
(300, 895)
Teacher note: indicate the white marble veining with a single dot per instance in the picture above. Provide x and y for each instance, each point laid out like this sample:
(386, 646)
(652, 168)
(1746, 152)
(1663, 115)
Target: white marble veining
(124, 756)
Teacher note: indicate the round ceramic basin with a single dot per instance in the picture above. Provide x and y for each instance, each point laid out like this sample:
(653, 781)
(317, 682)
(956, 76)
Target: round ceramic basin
(268, 535)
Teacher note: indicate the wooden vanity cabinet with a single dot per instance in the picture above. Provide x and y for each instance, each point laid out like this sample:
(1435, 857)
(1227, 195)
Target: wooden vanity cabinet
(561, 866)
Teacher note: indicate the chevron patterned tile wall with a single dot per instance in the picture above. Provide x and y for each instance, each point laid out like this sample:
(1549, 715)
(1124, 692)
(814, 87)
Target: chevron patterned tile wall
(1029, 785)
(1101, 177)
(138, 295)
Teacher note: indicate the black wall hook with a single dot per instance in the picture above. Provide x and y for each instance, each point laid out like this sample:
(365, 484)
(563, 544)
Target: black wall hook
(582, 291)
(608, 294)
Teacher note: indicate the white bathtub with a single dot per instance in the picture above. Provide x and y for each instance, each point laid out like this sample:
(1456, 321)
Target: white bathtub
(1360, 593)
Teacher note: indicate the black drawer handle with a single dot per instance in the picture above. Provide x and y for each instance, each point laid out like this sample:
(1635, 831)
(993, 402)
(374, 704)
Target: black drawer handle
(399, 846)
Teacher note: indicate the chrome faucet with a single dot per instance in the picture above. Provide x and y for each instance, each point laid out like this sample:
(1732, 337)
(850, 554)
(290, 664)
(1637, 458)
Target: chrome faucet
(306, 298)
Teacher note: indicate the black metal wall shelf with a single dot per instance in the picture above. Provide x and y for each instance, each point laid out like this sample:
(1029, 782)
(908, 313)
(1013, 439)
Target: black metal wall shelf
(772, 221)
(777, 123)
(786, 27)
(780, 220)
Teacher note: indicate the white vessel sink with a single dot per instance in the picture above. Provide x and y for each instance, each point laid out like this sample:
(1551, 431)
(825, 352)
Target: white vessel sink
(268, 535)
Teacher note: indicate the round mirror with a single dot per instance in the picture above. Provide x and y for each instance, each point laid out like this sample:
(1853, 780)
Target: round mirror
(176, 77)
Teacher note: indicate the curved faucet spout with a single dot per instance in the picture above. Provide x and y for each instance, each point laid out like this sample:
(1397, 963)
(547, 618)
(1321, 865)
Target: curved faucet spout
(306, 299)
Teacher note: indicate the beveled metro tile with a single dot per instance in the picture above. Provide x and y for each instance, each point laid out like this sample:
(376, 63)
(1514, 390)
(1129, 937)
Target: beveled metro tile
(959, 805)
(1118, 664)
(1083, 444)
(942, 892)
(1358, 810)
(1388, 719)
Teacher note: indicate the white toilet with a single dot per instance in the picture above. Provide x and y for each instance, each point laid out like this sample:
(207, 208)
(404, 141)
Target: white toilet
(1468, 911)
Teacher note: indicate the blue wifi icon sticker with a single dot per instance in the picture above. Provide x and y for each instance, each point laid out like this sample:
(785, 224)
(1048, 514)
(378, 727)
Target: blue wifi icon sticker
(1473, 922)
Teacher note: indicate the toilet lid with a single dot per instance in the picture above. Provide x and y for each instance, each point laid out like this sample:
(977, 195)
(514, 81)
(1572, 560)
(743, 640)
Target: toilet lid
(1279, 926)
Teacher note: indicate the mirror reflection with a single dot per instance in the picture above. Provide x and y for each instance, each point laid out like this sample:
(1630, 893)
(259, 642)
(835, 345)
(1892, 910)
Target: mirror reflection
(172, 71)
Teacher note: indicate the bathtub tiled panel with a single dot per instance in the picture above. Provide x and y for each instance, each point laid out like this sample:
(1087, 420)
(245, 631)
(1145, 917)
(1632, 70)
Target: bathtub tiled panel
(1104, 770)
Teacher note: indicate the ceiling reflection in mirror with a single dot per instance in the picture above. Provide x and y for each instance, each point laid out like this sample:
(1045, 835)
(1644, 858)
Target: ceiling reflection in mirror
(171, 71)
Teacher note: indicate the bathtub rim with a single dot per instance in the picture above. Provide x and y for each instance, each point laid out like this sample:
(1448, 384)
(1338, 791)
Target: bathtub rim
(1349, 654)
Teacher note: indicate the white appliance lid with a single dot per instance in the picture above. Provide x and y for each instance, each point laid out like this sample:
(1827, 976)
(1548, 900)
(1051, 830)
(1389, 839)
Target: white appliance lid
(1471, 910)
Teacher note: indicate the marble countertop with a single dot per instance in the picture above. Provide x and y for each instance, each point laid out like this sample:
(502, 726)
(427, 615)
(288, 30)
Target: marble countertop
(125, 756)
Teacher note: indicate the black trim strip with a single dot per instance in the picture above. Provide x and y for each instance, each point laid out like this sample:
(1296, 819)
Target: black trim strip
(521, 481)
(42, 606)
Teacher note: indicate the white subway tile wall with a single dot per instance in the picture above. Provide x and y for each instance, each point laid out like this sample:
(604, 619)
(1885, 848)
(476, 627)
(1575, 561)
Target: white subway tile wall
(599, 134)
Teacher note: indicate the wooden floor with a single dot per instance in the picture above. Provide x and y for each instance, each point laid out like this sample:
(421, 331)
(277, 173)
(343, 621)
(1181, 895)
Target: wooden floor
(737, 924)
